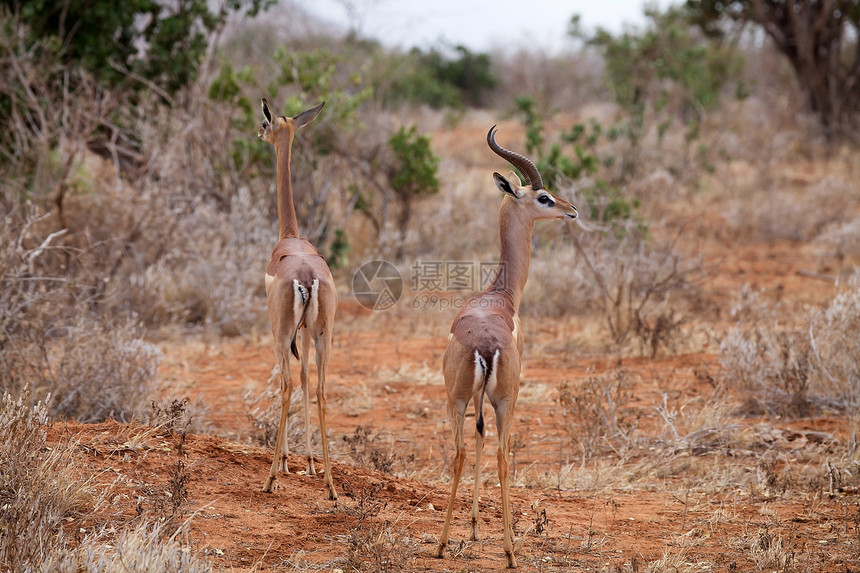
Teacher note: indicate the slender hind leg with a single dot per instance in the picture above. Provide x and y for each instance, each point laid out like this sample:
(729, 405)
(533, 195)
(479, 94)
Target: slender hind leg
(282, 448)
(306, 345)
(457, 414)
(323, 347)
(504, 418)
(479, 447)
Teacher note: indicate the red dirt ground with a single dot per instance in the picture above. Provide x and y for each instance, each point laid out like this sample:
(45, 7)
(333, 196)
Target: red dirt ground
(384, 375)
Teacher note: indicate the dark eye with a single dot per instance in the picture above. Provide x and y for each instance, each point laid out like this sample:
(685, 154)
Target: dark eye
(544, 200)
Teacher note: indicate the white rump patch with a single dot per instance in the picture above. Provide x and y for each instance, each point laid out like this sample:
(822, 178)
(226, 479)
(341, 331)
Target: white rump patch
(491, 381)
(480, 369)
(516, 329)
(313, 310)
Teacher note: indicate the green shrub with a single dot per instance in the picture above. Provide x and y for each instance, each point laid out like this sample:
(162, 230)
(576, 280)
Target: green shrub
(413, 173)
(104, 37)
(440, 81)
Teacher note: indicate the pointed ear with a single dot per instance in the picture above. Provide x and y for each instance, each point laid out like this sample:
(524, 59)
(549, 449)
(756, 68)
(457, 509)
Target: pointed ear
(505, 186)
(308, 115)
(267, 113)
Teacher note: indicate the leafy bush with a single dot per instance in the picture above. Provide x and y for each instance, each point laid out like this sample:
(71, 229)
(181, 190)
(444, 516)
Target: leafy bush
(412, 174)
(666, 64)
(441, 81)
(105, 37)
(663, 74)
(575, 157)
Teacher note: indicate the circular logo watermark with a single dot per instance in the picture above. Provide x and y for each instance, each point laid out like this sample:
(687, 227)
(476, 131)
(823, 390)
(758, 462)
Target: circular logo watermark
(377, 285)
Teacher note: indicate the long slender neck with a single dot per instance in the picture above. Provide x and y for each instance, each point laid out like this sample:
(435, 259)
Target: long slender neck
(288, 225)
(515, 231)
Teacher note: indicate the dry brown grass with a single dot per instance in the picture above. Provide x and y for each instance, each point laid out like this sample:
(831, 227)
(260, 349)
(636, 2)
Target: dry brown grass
(376, 544)
(183, 240)
(793, 372)
(791, 214)
(44, 501)
(55, 337)
(596, 416)
(640, 288)
(38, 488)
(835, 351)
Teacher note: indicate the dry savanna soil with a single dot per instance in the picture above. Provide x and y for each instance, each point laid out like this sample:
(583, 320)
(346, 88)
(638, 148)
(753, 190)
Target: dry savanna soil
(758, 498)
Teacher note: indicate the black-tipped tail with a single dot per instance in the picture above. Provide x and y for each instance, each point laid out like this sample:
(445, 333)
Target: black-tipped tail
(486, 368)
(302, 291)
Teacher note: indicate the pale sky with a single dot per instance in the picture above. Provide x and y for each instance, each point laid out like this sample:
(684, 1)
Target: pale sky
(480, 25)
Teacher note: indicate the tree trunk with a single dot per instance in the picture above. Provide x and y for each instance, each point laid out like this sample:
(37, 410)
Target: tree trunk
(811, 34)
(403, 222)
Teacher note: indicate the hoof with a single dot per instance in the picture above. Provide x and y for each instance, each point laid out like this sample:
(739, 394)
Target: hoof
(267, 487)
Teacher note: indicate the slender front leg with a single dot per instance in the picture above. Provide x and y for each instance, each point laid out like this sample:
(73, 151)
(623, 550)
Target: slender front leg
(504, 417)
(479, 447)
(282, 447)
(306, 400)
(323, 346)
(458, 417)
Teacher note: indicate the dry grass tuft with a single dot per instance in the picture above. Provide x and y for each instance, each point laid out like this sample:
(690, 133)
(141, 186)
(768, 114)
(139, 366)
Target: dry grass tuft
(835, 351)
(768, 366)
(771, 552)
(99, 371)
(780, 215)
(638, 287)
(38, 487)
(143, 548)
(375, 545)
(678, 563)
(790, 373)
(596, 416)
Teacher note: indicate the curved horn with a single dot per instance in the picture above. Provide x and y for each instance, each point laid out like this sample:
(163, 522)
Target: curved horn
(525, 165)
